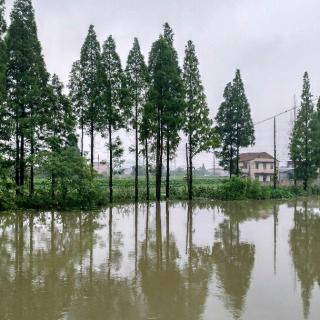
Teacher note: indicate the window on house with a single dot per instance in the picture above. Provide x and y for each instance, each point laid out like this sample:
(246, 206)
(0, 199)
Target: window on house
(264, 178)
(244, 165)
(257, 165)
(271, 166)
(264, 166)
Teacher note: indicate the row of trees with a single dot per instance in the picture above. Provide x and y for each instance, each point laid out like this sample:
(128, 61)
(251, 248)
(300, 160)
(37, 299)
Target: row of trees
(37, 120)
(157, 100)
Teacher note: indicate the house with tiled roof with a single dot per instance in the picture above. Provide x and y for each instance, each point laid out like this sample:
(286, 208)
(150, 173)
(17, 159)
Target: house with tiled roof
(258, 166)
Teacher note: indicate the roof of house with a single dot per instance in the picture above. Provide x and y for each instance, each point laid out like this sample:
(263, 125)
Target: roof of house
(254, 155)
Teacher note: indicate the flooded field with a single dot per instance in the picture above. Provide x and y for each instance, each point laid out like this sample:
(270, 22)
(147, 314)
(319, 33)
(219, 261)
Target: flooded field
(238, 260)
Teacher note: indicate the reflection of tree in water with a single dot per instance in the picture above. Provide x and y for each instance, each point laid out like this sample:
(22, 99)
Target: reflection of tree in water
(234, 262)
(171, 290)
(108, 296)
(161, 280)
(200, 267)
(305, 251)
(61, 276)
(41, 272)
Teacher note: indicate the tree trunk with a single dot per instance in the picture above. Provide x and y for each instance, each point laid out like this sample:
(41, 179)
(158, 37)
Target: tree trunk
(305, 184)
(137, 156)
(111, 165)
(168, 170)
(82, 133)
(159, 150)
(294, 174)
(147, 170)
(190, 191)
(52, 185)
(17, 160)
(187, 160)
(237, 163)
(92, 145)
(231, 163)
(22, 162)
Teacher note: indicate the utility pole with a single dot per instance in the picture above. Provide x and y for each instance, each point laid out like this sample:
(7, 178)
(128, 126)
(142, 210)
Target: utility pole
(275, 170)
(188, 169)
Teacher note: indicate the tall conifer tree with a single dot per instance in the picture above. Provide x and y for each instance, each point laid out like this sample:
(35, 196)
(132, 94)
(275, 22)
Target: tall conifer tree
(77, 98)
(3, 54)
(234, 125)
(145, 138)
(301, 150)
(89, 71)
(225, 129)
(165, 105)
(198, 125)
(4, 119)
(174, 106)
(114, 100)
(60, 126)
(315, 136)
(136, 72)
(27, 85)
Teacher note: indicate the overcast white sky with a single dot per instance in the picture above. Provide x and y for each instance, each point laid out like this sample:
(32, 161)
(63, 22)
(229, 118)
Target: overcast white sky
(272, 42)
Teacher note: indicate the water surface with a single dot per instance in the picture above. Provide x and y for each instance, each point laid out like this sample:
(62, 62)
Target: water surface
(237, 260)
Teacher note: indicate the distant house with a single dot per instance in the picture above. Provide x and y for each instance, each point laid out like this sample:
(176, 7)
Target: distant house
(102, 168)
(286, 175)
(258, 165)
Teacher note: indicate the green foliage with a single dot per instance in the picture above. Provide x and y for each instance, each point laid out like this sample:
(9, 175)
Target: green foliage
(7, 190)
(315, 137)
(74, 183)
(137, 81)
(240, 189)
(38, 122)
(165, 101)
(6, 123)
(136, 75)
(87, 84)
(234, 124)
(3, 54)
(114, 91)
(77, 96)
(117, 155)
(89, 76)
(26, 84)
(303, 151)
(115, 101)
(60, 122)
(198, 125)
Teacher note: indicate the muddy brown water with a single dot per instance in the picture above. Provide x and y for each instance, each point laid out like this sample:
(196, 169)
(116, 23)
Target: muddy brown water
(236, 260)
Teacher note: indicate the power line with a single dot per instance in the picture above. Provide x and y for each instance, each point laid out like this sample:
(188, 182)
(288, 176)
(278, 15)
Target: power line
(275, 116)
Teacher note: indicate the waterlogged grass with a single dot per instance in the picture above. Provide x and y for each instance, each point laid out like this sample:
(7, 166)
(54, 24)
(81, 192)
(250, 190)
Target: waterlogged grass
(96, 194)
(241, 189)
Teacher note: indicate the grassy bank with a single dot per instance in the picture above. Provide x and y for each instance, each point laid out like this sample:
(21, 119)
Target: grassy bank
(96, 194)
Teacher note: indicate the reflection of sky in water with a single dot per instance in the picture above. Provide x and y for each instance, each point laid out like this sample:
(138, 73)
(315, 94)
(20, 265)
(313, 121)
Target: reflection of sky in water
(247, 258)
